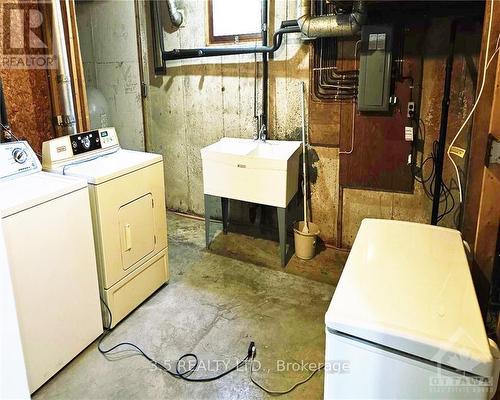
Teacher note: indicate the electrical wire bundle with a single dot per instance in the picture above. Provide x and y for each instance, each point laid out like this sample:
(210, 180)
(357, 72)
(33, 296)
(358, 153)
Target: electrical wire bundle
(186, 375)
(428, 182)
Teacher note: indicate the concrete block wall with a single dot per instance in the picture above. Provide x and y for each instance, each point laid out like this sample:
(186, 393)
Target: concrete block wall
(203, 100)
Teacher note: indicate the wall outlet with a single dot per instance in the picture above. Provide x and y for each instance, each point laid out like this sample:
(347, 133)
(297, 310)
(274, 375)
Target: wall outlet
(410, 113)
(409, 133)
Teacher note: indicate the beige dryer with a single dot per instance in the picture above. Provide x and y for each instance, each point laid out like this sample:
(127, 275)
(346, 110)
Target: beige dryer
(127, 197)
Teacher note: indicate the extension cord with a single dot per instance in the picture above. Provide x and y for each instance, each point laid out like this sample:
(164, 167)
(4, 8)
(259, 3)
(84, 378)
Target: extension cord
(250, 357)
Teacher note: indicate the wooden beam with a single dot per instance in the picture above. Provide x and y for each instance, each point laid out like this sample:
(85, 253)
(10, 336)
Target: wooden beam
(52, 73)
(480, 128)
(76, 66)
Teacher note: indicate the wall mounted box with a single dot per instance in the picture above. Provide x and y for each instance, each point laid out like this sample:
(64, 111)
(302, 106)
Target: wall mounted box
(375, 68)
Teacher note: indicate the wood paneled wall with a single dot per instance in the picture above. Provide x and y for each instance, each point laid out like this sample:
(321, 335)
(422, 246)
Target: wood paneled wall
(26, 91)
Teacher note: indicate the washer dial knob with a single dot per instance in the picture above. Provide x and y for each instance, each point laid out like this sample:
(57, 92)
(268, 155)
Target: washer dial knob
(86, 142)
(20, 155)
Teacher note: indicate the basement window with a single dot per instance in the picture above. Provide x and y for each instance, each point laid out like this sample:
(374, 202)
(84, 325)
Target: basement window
(233, 21)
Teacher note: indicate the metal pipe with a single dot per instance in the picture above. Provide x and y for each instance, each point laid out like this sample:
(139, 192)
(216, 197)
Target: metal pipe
(158, 43)
(4, 120)
(289, 22)
(175, 15)
(331, 25)
(438, 177)
(181, 54)
(340, 216)
(65, 123)
(265, 72)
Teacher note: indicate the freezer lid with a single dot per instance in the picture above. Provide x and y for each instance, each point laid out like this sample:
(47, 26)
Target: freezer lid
(19, 194)
(105, 167)
(407, 286)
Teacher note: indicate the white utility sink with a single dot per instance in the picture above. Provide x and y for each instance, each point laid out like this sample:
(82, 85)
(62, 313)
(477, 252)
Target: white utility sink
(252, 170)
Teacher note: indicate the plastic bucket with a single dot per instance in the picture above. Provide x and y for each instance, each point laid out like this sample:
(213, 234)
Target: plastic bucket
(305, 243)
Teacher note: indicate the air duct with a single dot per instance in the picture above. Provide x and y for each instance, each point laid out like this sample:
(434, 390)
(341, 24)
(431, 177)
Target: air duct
(331, 25)
(66, 123)
(175, 15)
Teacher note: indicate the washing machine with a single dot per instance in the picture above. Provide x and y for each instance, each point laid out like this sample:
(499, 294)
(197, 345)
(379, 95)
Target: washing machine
(127, 196)
(13, 381)
(47, 230)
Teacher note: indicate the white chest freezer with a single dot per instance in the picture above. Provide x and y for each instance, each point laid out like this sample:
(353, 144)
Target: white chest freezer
(404, 322)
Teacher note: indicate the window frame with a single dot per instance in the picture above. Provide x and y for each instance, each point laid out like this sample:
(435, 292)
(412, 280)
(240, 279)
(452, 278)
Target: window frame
(226, 39)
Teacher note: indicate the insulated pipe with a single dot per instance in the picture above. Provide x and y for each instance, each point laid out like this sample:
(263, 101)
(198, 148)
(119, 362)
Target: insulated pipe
(66, 123)
(330, 25)
(175, 15)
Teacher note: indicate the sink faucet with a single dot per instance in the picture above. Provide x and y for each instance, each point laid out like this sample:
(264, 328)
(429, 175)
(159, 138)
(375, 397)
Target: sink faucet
(263, 133)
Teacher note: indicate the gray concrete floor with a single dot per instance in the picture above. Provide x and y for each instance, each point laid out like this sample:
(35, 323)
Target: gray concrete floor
(213, 306)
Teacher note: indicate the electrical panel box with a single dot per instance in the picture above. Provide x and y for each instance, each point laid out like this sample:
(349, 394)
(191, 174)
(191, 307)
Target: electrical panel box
(375, 68)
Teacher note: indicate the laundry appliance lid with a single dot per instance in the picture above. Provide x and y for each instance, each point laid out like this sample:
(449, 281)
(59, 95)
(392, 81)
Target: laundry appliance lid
(105, 167)
(19, 194)
(407, 287)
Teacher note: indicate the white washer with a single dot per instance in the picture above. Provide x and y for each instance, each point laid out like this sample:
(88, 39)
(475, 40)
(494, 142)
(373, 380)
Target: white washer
(404, 321)
(13, 380)
(50, 251)
(127, 195)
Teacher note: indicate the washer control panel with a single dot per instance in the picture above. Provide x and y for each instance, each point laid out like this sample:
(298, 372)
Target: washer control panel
(17, 158)
(80, 145)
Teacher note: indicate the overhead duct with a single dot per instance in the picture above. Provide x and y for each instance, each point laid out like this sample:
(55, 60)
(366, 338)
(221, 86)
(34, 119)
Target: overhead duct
(175, 15)
(331, 25)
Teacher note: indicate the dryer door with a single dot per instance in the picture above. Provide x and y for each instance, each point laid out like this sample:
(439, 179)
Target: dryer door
(137, 233)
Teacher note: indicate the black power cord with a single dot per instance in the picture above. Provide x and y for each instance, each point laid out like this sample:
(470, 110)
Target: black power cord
(185, 375)
(279, 392)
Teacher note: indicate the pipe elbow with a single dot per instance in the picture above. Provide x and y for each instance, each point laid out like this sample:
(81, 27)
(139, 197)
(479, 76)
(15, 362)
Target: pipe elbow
(175, 15)
(303, 23)
(177, 19)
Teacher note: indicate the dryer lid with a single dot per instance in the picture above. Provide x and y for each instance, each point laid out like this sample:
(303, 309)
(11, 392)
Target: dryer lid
(109, 166)
(407, 286)
(28, 191)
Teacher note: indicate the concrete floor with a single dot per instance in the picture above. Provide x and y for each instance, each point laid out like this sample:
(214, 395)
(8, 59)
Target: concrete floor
(213, 306)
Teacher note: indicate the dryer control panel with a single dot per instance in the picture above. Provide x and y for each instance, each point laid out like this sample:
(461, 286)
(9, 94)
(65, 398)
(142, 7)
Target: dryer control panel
(17, 158)
(93, 140)
(80, 145)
